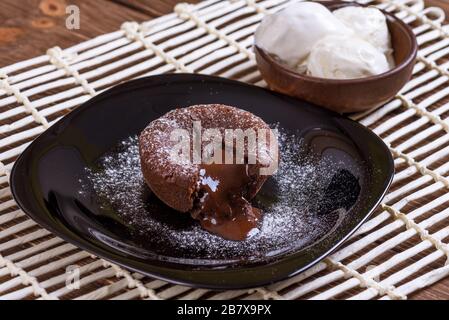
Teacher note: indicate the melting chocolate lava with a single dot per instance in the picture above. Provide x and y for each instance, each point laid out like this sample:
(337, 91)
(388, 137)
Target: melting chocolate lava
(217, 195)
(222, 208)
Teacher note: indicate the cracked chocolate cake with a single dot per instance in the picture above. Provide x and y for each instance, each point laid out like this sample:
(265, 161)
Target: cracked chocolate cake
(216, 194)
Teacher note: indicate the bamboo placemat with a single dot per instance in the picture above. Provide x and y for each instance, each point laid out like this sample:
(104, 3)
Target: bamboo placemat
(400, 250)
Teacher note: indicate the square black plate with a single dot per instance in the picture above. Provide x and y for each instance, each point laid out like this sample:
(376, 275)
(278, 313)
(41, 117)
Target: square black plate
(45, 180)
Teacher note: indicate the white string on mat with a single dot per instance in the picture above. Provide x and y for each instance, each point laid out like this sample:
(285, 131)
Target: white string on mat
(432, 65)
(110, 289)
(28, 106)
(424, 19)
(436, 12)
(99, 275)
(35, 259)
(104, 291)
(133, 32)
(423, 112)
(26, 278)
(372, 116)
(423, 233)
(403, 100)
(132, 281)
(399, 275)
(135, 293)
(421, 168)
(366, 282)
(55, 281)
(60, 59)
(185, 11)
(423, 281)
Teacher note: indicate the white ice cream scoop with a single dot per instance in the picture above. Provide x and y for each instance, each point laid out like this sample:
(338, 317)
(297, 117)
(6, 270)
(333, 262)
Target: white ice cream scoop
(291, 33)
(345, 57)
(370, 24)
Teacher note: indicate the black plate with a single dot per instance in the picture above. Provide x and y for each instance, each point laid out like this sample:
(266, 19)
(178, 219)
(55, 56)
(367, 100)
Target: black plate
(48, 182)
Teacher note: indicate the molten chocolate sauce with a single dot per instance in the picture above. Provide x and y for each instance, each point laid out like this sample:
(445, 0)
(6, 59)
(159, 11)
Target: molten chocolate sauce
(223, 209)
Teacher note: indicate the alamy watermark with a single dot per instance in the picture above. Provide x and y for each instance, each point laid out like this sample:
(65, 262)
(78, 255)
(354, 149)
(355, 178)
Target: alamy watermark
(72, 280)
(228, 146)
(73, 20)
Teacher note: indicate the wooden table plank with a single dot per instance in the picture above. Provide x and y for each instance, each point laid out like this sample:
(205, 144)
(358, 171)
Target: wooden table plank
(439, 291)
(152, 8)
(29, 27)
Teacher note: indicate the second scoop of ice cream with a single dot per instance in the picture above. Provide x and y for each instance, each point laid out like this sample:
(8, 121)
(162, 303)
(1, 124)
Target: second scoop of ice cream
(345, 57)
(369, 24)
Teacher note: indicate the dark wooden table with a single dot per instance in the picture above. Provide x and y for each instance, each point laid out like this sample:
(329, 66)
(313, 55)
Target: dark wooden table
(29, 27)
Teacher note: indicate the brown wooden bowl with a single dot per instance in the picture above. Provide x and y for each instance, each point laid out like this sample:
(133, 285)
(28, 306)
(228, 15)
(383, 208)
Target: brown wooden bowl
(346, 95)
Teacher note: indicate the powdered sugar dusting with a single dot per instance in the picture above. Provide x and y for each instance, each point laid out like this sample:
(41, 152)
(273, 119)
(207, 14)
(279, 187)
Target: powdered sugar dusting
(291, 202)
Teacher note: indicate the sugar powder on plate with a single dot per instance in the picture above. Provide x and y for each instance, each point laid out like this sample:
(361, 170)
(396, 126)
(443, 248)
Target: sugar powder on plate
(289, 200)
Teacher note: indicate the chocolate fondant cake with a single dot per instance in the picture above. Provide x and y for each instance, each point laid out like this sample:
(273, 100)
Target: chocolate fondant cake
(215, 194)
